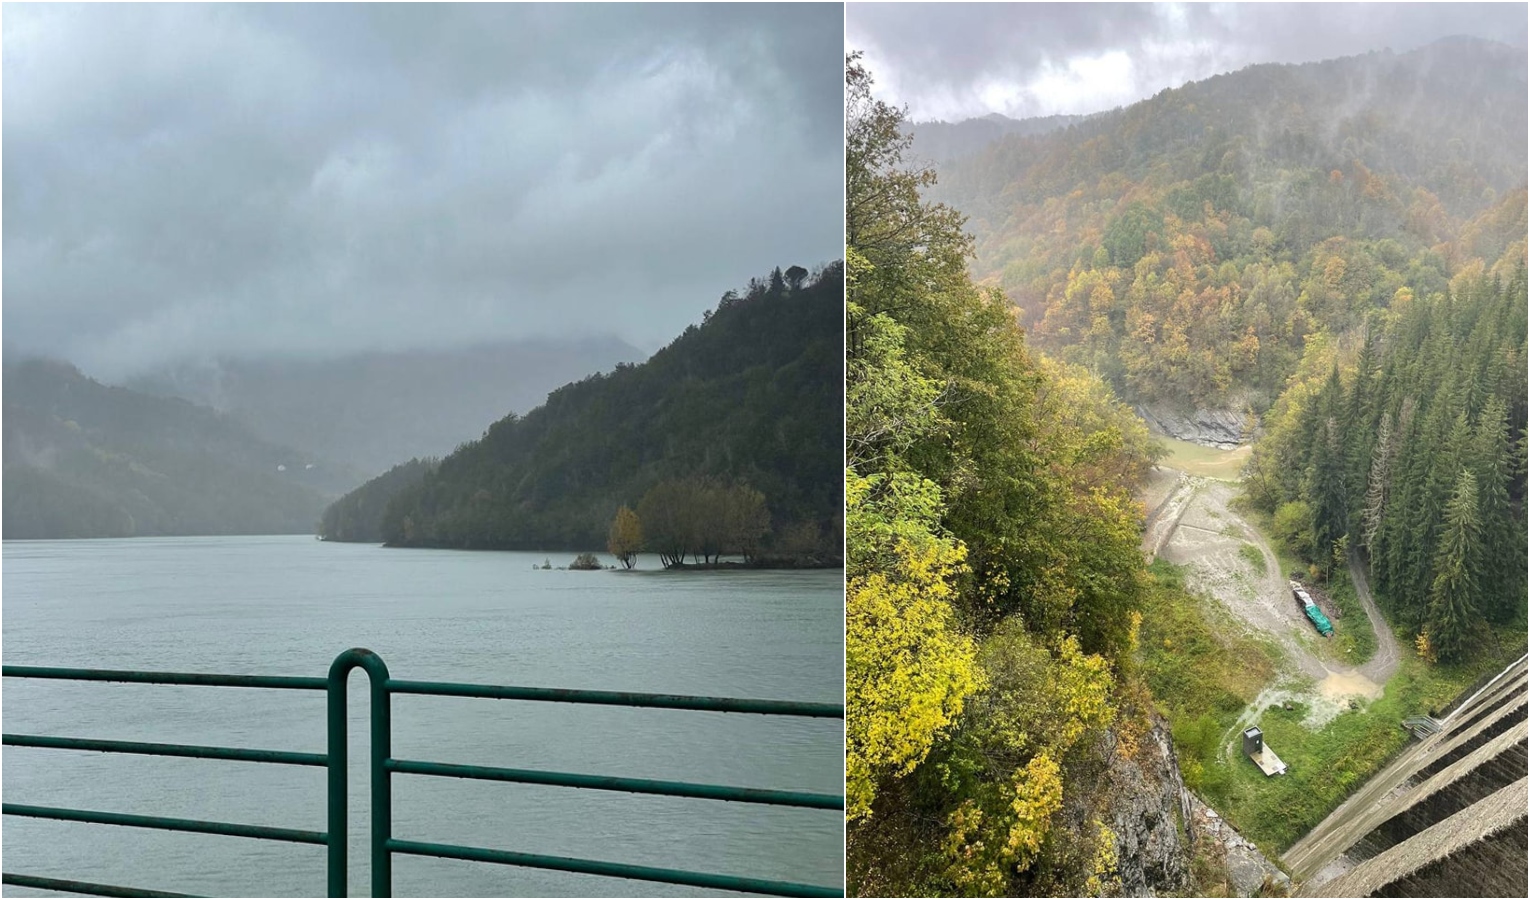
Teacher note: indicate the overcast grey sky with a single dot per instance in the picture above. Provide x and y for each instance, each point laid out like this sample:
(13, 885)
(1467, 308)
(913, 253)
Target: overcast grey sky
(250, 180)
(954, 61)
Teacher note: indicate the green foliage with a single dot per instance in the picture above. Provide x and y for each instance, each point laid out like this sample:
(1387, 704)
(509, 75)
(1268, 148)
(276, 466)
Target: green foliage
(1254, 557)
(1293, 528)
(1001, 768)
(358, 516)
(908, 669)
(1127, 237)
(1354, 639)
(754, 395)
(1456, 593)
(963, 447)
(888, 405)
(585, 562)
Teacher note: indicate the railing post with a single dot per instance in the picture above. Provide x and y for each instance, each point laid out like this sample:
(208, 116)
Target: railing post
(382, 793)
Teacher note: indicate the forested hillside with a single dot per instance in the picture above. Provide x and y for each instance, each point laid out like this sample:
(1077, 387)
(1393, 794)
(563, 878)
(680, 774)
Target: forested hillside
(992, 573)
(1187, 246)
(358, 516)
(86, 460)
(752, 396)
(1406, 441)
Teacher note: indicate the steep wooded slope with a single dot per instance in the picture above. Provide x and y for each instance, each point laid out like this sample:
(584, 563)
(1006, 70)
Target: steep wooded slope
(1186, 246)
(83, 459)
(754, 394)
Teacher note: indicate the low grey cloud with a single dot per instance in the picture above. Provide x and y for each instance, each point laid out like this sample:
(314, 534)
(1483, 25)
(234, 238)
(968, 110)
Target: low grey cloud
(953, 61)
(196, 180)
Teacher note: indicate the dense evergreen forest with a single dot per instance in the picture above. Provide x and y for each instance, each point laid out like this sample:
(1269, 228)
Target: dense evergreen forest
(992, 564)
(1406, 441)
(1186, 247)
(85, 460)
(750, 397)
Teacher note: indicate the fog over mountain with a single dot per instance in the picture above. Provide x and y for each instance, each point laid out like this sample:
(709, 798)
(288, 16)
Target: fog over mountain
(376, 409)
(954, 61)
(285, 182)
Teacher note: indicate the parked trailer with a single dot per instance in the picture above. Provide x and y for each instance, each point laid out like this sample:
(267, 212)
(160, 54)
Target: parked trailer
(1310, 607)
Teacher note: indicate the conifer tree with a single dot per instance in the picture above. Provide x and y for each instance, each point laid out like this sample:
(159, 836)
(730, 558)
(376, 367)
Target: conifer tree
(1455, 595)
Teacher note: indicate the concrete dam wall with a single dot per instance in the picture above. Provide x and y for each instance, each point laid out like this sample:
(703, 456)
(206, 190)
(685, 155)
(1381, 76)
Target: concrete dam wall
(1447, 818)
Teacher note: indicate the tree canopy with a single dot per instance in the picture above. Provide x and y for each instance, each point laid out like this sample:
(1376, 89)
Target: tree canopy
(992, 547)
(751, 396)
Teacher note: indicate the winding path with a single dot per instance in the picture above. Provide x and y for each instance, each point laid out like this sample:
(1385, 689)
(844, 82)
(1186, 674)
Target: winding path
(1381, 666)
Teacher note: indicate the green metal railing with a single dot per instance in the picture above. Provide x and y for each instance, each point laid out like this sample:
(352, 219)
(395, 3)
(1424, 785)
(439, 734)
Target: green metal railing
(383, 766)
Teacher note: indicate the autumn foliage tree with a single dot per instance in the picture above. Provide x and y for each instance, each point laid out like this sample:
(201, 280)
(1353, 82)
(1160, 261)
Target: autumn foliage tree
(992, 549)
(626, 537)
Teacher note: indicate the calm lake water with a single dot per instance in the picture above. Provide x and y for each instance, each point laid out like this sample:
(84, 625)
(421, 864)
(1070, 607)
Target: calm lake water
(288, 605)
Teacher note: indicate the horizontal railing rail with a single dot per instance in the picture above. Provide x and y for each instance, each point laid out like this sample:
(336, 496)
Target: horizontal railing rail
(615, 698)
(617, 783)
(196, 679)
(383, 766)
(66, 886)
(139, 748)
(193, 751)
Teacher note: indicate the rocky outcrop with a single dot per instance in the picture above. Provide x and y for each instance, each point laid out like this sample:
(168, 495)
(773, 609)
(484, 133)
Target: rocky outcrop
(1249, 872)
(1224, 429)
(1148, 815)
(1158, 826)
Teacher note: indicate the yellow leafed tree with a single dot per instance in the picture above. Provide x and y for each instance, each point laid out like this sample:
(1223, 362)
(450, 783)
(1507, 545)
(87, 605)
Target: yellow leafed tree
(907, 668)
(626, 537)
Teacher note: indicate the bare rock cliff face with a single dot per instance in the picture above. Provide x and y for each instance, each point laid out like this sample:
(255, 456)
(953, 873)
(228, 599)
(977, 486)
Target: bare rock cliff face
(1249, 873)
(1157, 823)
(1221, 428)
(1149, 811)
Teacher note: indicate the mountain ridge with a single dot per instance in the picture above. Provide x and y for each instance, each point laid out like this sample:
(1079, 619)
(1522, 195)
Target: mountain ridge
(1249, 210)
(743, 397)
(83, 459)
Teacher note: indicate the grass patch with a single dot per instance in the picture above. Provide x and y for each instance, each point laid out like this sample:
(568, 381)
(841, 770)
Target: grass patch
(1203, 669)
(1262, 522)
(1254, 557)
(1325, 766)
(1223, 465)
(1354, 640)
(1199, 664)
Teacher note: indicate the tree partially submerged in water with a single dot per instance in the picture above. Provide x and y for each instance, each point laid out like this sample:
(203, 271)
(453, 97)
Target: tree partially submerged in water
(626, 537)
(585, 562)
(702, 518)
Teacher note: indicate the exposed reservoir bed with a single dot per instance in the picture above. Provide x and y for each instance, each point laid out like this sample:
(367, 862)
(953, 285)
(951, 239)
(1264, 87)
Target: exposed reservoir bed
(1208, 462)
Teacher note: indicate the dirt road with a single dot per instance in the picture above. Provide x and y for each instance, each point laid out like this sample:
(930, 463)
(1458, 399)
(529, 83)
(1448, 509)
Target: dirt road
(1195, 527)
(1380, 666)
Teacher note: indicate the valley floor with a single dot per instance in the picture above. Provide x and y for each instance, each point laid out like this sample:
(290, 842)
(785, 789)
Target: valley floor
(1226, 646)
